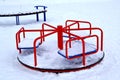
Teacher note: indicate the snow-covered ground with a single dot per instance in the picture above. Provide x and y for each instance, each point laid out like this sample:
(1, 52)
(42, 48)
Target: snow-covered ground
(101, 13)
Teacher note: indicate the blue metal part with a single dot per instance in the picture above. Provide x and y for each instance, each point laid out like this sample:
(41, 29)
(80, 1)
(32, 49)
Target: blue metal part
(17, 20)
(29, 47)
(77, 55)
(67, 36)
(44, 14)
(44, 7)
(37, 17)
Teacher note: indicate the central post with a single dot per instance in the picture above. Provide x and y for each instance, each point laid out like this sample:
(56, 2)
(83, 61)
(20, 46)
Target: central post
(60, 36)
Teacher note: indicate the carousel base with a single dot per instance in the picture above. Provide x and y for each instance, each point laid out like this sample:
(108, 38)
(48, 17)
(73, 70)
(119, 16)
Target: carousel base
(61, 70)
(48, 60)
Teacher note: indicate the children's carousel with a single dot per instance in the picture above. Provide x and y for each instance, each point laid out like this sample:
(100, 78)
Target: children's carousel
(72, 47)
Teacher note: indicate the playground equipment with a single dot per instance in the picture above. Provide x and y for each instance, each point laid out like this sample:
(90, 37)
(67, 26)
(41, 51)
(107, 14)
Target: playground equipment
(36, 12)
(70, 45)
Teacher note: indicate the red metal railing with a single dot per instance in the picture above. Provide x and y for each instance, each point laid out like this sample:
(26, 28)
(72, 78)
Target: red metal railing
(69, 26)
(18, 37)
(90, 29)
(94, 29)
(83, 47)
(60, 30)
(76, 37)
(78, 24)
(47, 25)
(23, 31)
(34, 44)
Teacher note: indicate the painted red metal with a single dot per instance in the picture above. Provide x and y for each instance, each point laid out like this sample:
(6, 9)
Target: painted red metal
(18, 37)
(60, 30)
(60, 36)
(78, 23)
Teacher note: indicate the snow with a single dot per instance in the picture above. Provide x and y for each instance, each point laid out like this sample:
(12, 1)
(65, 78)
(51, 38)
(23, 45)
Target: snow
(19, 9)
(46, 53)
(27, 43)
(76, 48)
(101, 13)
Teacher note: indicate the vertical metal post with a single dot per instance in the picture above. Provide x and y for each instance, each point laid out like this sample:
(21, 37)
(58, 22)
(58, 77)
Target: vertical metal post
(44, 14)
(36, 7)
(35, 53)
(60, 37)
(83, 53)
(17, 20)
(37, 17)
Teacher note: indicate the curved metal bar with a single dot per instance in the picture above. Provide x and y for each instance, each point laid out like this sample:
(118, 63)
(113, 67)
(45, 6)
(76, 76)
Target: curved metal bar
(83, 49)
(34, 45)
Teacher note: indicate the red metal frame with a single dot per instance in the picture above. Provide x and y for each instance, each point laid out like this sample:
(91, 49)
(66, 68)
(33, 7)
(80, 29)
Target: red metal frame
(83, 47)
(60, 30)
(18, 37)
(60, 36)
(68, 26)
(78, 23)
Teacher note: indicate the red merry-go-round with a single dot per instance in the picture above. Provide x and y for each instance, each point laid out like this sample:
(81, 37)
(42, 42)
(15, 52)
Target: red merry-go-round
(79, 44)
